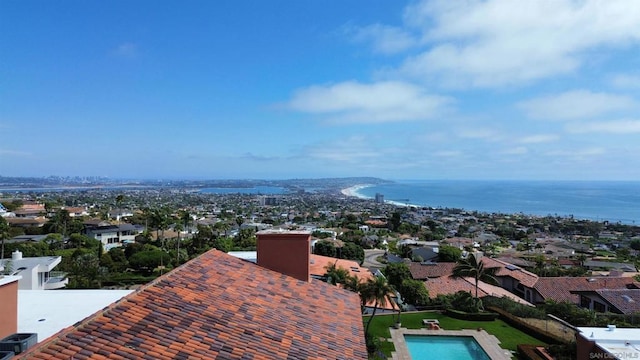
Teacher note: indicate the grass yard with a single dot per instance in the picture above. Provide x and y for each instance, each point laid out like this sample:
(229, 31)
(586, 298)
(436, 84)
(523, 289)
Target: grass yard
(509, 337)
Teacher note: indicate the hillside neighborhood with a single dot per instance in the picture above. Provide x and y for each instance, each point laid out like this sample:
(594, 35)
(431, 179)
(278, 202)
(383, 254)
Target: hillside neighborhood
(158, 247)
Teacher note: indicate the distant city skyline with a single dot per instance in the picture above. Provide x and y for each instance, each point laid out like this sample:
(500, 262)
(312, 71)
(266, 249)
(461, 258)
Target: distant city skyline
(486, 90)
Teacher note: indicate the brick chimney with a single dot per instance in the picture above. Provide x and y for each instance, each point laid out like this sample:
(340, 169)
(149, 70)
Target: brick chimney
(9, 307)
(287, 252)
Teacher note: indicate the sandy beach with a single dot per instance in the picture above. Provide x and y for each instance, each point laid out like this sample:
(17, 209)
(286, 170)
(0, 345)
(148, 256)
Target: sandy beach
(353, 190)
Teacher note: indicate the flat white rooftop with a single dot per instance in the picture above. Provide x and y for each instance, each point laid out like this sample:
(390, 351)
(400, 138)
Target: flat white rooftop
(46, 312)
(624, 343)
(245, 255)
(9, 279)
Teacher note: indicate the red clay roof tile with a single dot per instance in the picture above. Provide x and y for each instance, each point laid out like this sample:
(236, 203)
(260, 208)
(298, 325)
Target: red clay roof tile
(559, 288)
(217, 306)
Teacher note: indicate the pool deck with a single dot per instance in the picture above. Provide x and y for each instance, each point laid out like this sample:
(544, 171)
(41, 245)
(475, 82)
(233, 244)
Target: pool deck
(488, 342)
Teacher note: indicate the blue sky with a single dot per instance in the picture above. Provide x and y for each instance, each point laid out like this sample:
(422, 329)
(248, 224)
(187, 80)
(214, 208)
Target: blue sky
(495, 89)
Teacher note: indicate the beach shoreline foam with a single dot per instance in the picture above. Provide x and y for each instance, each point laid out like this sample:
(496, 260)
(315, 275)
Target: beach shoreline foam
(354, 191)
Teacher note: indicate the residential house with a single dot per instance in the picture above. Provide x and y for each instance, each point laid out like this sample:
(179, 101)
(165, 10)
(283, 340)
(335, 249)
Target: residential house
(425, 253)
(301, 264)
(607, 343)
(567, 288)
(30, 210)
(619, 301)
(217, 306)
(430, 270)
(26, 238)
(513, 278)
(36, 272)
(118, 214)
(9, 308)
(446, 285)
(46, 312)
(438, 281)
(26, 222)
(76, 211)
(608, 265)
(114, 235)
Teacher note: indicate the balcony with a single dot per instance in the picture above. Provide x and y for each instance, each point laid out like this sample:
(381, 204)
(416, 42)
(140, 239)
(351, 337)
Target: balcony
(57, 280)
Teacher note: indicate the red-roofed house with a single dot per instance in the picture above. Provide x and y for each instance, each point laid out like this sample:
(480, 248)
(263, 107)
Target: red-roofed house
(620, 301)
(567, 288)
(318, 267)
(218, 307)
(446, 285)
(424, 271)
(513, 278)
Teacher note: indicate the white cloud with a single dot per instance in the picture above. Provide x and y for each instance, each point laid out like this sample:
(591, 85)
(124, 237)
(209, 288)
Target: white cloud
(506, 42)
(520, 150)
(7, 152)
(385, 39)
(540, 138)
(626, 81)
(609, 127)
(354, 149)
(576, 104)
(354, 102)
(448, 153)
(478, 133)
(578, 153)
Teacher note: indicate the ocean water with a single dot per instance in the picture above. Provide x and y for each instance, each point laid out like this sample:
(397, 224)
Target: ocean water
(592, 200)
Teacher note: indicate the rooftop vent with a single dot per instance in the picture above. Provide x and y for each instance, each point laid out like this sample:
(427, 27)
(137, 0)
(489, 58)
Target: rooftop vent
(611, 327)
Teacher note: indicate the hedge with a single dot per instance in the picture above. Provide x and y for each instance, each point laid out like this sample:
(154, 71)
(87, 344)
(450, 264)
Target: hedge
(461, 315)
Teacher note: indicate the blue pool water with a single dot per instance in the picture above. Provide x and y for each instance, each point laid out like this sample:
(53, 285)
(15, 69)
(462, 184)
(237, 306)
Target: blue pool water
(444, 347)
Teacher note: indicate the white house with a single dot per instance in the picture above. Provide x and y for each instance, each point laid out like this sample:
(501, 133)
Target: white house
(36, 272)
(114, 235)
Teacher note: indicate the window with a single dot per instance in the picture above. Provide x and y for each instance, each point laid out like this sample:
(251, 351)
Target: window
(585, 302)
(599, 307)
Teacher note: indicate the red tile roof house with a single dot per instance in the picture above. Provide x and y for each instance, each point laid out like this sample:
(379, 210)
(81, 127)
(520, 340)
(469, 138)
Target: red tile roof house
(220, 307)
(567, 288)
(619, 301)
(513, 278)
(318, 267)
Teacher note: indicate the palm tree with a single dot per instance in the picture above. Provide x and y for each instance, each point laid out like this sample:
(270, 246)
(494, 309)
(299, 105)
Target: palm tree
(4, 233)
(375, 289)
(119, 200)
(335, 275)
(472, 267)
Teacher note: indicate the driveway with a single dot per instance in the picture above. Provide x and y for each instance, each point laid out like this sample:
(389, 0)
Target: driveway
(370, 261)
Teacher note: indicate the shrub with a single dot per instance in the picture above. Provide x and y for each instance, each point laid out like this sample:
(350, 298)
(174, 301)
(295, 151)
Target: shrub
(514, 308)
(472, 316)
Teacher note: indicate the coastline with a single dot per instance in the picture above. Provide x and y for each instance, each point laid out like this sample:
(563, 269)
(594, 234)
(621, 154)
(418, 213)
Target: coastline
(353, 191)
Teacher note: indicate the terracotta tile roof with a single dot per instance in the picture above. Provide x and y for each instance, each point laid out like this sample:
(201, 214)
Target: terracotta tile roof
(424, 271)
(625, 300)
(318, 268)
(526, 278)
(218, 307)
(559, 288)
(447, 285)
(319, 263)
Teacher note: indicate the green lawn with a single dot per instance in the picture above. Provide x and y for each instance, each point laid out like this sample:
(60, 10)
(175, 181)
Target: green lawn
(509, 337)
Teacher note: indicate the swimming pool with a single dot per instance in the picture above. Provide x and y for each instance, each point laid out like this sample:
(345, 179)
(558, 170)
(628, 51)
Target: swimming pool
(444, 347)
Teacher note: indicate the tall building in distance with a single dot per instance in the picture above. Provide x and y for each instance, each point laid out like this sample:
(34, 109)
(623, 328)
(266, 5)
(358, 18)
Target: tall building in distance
(268, 201)
(379, 198)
